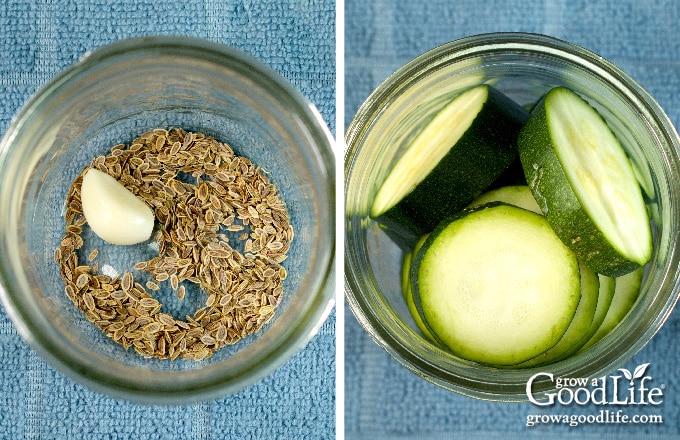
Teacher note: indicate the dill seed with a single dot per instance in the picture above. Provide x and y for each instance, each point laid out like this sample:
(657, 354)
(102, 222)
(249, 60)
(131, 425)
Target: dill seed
(152, 286)
(228, 193)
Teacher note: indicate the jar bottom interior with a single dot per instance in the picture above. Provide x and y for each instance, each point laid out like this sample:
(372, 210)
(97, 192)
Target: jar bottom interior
(45, 226)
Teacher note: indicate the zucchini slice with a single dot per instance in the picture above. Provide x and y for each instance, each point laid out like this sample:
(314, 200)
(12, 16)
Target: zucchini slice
(579, 329)
(408, 292)
(495, 284)
(465, 147)
(626, 292)
(584, 183)
(516, 195)
(604, 300)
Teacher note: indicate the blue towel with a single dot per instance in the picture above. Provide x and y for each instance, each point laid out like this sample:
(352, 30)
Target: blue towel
(38, 39)
(382, 399)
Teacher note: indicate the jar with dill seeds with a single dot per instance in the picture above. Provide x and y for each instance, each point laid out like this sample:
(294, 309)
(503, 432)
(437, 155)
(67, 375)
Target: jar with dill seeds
(238, 170)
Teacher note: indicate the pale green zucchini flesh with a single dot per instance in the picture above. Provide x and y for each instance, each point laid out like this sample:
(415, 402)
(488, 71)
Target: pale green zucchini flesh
(578, 331)
(516, 195)
(496, 285)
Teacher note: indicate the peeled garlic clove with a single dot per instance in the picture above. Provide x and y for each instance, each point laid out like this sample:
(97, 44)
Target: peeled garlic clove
(113, 212)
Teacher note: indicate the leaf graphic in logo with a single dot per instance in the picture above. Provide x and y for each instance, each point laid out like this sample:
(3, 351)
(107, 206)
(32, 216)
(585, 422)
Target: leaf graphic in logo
(637, 373)
(626, 374)
(640, 371)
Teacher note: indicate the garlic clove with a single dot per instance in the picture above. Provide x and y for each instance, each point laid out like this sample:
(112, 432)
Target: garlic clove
(113, 212)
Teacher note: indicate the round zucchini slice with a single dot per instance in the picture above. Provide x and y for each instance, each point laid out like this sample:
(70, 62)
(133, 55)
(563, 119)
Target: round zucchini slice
(495, 284)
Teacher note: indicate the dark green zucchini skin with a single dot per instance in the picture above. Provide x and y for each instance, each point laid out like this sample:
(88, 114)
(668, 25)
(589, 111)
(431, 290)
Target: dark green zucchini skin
(484, 152)
(512, 176)
(561, 207)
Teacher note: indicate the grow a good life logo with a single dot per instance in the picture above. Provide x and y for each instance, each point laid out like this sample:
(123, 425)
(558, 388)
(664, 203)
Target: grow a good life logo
(629, 388)
(624, 388)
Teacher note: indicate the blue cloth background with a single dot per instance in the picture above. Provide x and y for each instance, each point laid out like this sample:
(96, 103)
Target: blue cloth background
(38, 38)
(382, 399)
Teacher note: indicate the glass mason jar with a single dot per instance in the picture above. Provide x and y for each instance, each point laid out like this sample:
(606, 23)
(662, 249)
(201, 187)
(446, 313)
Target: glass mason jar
(523, 66)
(111, 96)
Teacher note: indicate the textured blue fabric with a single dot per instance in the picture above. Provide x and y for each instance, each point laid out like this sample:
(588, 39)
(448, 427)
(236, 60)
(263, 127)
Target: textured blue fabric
(38, 38)
(382, 399)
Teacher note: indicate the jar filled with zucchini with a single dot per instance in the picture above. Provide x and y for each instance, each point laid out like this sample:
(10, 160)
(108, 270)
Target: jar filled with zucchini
(519, 274)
